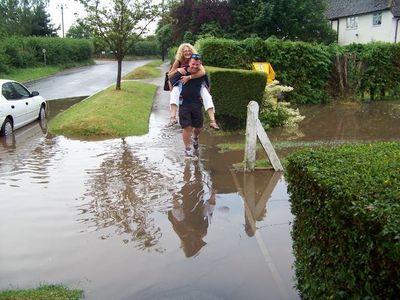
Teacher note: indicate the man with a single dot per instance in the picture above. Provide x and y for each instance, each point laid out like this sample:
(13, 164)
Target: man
(190, 105)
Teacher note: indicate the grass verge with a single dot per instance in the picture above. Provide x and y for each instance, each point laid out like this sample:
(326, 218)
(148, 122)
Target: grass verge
(150, 70)
(28, 74)
(108, 114)
(46, 292)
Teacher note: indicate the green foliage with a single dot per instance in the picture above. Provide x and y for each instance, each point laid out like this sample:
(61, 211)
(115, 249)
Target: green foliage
(222, 53)
(232, 90)
(25, 18)
(77, 31)
(346, 231)
(306, 67)
(145, 47)
(23, 52)
(237, 19)
(371, 68)
(44, 292)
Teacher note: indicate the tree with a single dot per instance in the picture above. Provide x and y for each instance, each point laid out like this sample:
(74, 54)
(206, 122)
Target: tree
(25, 18)
(302, 20)
(190, 17)
(77, 31)
(40, 21)
(163, 35)
(119, 24)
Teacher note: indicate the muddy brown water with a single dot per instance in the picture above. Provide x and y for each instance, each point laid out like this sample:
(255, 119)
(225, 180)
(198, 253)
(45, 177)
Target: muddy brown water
(132, 219)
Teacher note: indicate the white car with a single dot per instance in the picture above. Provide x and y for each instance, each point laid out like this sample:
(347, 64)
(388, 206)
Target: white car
(19, 106)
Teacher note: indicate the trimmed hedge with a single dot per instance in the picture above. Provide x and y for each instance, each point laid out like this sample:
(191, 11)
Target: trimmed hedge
(232, 90)
(144, 48)
(317, 72)
(346, 231)
(22, 52)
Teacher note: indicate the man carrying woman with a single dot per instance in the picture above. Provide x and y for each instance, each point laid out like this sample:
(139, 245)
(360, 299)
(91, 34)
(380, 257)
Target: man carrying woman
(190, 106)
(182, 58)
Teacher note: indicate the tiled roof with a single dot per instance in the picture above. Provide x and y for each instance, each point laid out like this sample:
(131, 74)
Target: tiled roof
(396, 8)
(343, 8)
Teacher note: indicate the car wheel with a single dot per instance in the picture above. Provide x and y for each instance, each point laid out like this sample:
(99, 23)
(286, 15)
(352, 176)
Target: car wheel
(42, 113)
(7, 128)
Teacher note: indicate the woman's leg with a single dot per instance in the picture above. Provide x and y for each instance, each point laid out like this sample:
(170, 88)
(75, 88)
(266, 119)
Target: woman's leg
(173, 105)
(209, 106)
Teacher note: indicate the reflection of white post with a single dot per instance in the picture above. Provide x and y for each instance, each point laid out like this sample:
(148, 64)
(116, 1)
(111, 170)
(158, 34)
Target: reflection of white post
(254, 128)
(248, 193)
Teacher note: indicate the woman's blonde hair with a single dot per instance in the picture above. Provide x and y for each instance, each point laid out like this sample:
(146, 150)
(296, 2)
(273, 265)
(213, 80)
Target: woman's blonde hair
(179, 53)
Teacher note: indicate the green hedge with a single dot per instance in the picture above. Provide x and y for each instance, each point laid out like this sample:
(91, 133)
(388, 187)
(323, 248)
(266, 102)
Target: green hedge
(346, 231)
(22, 52)
(318, 73)
(376, 66)
(232, 90)
(304, 66)
(144, 48)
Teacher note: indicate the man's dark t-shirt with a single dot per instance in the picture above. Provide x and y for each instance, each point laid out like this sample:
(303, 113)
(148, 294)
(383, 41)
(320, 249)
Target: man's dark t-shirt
(190, 90)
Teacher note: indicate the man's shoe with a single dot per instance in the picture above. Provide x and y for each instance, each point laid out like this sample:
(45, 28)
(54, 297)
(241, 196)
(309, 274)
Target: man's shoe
(196, 143)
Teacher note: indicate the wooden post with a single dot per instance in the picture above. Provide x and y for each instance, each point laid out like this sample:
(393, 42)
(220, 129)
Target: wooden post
(251, 136)
(255, 129)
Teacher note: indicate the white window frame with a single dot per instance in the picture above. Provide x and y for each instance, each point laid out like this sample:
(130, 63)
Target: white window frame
(377, 19)
(352, 22)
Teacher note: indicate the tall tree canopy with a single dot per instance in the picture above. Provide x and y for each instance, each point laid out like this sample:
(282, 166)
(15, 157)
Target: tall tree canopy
(239, 19)
(192, 15)
(23, 17)
(119, 23)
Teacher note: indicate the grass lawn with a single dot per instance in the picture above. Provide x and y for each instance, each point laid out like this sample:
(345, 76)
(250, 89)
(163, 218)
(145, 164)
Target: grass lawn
(149, 70)
(46, 292)
(109, 114)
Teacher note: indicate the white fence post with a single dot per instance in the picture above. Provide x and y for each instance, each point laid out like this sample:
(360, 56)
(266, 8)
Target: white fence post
(251, 136)
(255, 129)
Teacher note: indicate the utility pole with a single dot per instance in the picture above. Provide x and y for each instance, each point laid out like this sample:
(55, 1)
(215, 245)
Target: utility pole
(162, 24)
(61, 6)
(62, 19)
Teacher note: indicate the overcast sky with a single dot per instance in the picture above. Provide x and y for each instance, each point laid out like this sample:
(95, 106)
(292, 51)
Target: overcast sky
(70, 8)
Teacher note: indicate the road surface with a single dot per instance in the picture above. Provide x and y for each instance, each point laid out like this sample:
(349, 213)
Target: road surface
(83, 81)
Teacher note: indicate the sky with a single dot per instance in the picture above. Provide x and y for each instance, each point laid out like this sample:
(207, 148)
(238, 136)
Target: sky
(70, 8)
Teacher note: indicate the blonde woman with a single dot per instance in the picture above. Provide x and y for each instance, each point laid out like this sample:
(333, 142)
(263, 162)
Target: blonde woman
(182, 58)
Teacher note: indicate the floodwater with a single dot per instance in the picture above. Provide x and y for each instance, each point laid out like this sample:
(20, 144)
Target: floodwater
(132, 219)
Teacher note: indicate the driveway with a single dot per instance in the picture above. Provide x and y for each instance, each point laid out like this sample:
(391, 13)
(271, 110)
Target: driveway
(83, 81)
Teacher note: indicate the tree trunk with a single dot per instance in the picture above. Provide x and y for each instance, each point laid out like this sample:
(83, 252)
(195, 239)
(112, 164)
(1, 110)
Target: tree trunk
(118, 85)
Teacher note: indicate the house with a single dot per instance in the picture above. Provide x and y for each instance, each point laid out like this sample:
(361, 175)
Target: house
(363, 21)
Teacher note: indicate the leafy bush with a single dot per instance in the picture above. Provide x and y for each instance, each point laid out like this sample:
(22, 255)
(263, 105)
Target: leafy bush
(304, 66)
(346, 231)
(22, 52)
(143, 48)
(222, 53)
(232, 90)
(278, 113)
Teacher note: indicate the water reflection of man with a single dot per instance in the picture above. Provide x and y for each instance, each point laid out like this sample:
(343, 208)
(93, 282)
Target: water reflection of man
(191, 214)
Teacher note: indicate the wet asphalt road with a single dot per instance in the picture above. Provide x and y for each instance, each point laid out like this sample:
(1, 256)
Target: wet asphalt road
(83, 81)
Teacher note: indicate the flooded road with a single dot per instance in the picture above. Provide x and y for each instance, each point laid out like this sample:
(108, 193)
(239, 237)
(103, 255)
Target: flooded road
(131, 219)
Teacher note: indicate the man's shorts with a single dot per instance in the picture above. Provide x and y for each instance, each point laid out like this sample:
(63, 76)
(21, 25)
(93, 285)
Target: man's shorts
(191, 115)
